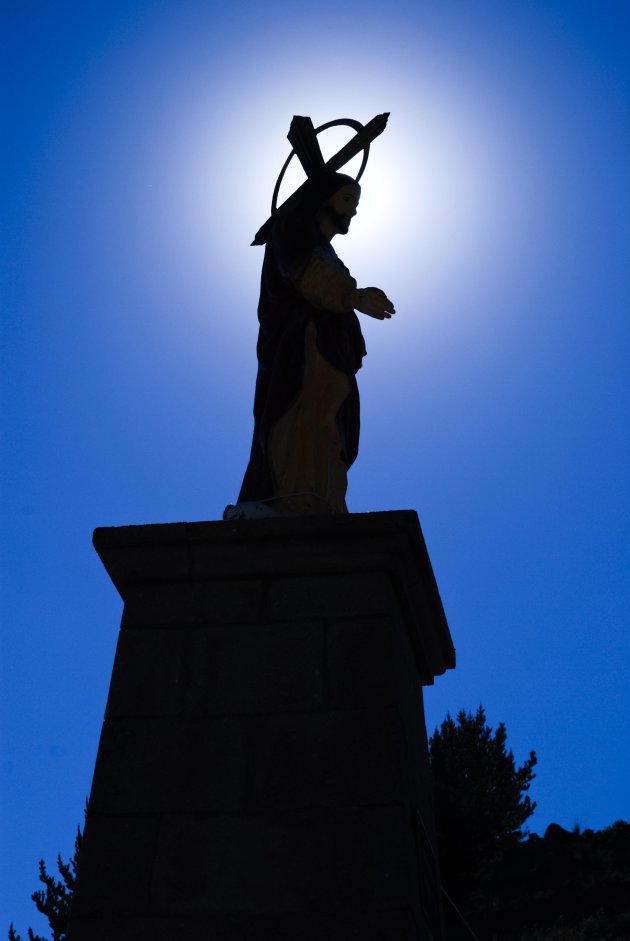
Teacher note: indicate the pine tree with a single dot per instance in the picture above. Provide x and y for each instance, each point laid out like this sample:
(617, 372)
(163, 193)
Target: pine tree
(54, 900)
(479, 795)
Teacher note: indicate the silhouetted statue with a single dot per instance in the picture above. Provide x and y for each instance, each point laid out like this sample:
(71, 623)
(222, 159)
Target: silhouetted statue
(310, 345)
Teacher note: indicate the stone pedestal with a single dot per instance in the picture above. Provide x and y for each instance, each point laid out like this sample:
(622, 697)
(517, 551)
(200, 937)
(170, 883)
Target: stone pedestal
(262, 773)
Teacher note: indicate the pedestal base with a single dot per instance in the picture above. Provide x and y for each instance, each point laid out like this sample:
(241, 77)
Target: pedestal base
(263, 770)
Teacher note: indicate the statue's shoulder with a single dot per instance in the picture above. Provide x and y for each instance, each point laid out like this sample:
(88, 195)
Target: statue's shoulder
(293, 226)
(293, 239)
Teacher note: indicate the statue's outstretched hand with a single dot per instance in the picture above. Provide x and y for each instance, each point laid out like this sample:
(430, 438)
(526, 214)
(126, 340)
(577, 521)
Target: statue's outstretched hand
(373, 302)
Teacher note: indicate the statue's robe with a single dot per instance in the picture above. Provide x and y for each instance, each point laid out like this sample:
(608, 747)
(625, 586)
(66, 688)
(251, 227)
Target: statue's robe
(310, 347)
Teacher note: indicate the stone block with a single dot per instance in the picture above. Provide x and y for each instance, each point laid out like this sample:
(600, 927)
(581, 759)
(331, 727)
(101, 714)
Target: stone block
(348, 595)
(148, 678)
(361, 668)
(326, 926)
(256, 669)
(212, 928)
(362, 757)
(229, 864)
(162, 559)
(296, 555)
(116, 864)
(310, 926)
(169, 766)
(392, 925)
(374, 858)
(334, 758)
(176, 604)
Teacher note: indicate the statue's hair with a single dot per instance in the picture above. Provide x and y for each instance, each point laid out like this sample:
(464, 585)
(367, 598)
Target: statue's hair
(305, 202)
(318, 189)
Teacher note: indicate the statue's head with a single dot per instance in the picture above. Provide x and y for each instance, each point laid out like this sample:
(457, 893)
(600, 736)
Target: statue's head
(332, 198)
(336, 213)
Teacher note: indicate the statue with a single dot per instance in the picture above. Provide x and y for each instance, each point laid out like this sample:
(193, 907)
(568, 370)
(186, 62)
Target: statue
(310, 346)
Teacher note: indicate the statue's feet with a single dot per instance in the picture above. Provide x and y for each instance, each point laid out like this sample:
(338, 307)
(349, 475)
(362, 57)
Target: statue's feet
(292, 504)
(252, 510)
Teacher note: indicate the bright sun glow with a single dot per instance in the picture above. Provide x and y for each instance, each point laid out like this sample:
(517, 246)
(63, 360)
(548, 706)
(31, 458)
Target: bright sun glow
(434, 210)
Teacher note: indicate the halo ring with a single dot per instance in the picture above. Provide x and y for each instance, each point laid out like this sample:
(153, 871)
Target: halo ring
(345, 122)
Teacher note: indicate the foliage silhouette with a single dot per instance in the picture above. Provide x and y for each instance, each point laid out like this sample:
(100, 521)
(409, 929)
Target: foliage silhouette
(479, 795)
(507, 884)
(563, 887)
(54, 900)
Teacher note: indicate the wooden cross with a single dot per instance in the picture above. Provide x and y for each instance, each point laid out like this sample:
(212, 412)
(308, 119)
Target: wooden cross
(303, 137)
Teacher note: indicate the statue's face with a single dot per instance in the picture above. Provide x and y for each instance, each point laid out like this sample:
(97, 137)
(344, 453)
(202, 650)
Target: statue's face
(342, 206)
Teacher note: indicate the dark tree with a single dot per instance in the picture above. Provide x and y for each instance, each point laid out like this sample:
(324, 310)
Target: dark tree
(480, 800)
(53, 900)
(565, 886)
(501, 882)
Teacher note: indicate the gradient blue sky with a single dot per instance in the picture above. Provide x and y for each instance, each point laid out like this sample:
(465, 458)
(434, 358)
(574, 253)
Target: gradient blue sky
(142, 143)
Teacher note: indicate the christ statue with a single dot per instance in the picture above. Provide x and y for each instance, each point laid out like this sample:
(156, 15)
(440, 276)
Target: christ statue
(310, 346)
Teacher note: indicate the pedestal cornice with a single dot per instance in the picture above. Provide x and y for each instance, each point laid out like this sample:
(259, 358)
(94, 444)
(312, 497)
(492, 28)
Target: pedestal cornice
(390, 542)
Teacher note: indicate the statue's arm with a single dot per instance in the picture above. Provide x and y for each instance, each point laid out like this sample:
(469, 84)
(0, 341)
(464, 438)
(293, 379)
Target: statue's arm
(373, 302)
(320, 278)
(327, 285)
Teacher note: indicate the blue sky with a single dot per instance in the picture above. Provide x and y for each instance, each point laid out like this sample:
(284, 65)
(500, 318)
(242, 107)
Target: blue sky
(143, 141)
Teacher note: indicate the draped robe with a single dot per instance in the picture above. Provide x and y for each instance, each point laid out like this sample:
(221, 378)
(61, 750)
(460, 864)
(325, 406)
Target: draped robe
(310, 347)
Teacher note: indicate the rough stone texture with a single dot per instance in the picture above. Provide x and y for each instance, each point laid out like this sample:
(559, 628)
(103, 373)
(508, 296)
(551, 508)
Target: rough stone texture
(275, 862)
(328, 758)
(374, 866)
(334, 596)
(262, 772)
(267, 667)
(117, 860)
(177, 604)
(390, 925)
(158, 766)
(361, 663)
(148, 677)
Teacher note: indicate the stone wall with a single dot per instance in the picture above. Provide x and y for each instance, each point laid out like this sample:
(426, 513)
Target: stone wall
(262, 772)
